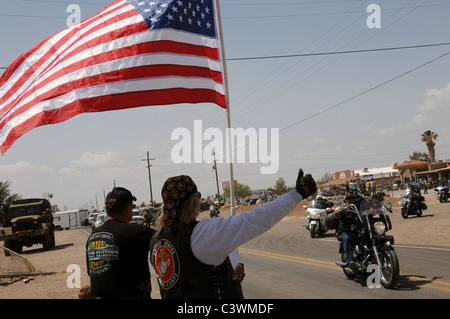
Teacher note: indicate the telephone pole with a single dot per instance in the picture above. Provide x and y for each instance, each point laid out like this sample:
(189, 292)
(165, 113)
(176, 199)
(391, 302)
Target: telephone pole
(217, 178)
(148, 159)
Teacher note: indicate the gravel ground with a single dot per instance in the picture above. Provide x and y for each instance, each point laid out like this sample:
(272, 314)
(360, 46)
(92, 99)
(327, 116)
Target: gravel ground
(432, 229)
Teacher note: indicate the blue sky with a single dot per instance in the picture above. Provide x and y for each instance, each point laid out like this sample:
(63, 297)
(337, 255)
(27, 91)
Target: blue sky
(334, 112)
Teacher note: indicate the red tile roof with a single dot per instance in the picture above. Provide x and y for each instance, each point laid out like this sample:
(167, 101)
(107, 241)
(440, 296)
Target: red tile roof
(412, 164)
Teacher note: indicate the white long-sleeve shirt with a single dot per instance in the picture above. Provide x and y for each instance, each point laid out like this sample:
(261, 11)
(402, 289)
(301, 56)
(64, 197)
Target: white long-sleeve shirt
(214, 239)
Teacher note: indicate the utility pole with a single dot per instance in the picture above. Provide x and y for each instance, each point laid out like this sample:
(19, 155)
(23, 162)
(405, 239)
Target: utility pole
(148, 159)
(217, 178)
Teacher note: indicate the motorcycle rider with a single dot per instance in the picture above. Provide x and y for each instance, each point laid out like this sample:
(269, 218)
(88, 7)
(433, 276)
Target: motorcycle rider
(416, 197)
(346, 228)
(324, 201)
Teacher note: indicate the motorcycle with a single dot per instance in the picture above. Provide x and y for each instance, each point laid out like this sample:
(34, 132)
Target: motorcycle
(373, 249)
(315, 217)
(412, 204)
(442, 193)
(214, 211)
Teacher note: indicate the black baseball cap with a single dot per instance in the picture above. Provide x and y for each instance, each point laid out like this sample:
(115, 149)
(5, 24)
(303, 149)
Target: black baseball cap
(122, 195)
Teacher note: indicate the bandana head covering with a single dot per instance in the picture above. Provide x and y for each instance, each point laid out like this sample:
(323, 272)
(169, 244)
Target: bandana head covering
(174, 191)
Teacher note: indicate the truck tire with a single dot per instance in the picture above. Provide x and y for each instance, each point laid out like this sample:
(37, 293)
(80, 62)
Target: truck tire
(47, 241)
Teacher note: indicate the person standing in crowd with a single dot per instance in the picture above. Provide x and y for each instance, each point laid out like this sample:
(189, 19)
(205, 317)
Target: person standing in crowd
(117, 252)
(198, 259)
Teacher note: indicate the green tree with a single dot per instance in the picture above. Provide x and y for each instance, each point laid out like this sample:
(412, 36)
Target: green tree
(419, 156)
(240, 191)
(324, 178)
(280, 186)
(428, 137)
(6, 198)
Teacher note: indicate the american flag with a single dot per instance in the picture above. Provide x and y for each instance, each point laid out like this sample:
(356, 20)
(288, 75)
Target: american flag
(132, 53)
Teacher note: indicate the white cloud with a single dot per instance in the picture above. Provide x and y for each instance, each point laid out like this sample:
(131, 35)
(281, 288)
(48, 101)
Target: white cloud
(378, 131)
(417, 120)
(94, 161)
(436, 99)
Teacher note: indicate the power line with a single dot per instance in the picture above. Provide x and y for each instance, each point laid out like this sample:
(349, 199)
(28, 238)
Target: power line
(330, 53)
(339, 52)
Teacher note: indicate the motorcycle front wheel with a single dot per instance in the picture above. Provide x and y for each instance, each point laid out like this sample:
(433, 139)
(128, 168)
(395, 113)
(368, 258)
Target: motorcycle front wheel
(390, 269)
(312, 230)
(405, 212)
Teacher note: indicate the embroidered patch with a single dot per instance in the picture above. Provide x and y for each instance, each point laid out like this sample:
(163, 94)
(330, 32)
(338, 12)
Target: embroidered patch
(101, 252)
(166, 263)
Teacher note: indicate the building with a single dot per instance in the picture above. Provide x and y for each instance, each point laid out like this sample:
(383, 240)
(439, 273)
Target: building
(413, 170)
(381, 175)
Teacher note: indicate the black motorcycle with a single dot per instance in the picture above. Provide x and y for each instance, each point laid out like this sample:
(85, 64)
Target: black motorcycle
(412, 204)
(214, 211)
(442, 193)
(375, 258)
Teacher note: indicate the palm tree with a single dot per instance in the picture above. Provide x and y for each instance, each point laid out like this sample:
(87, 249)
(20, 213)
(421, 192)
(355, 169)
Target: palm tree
(428, 137)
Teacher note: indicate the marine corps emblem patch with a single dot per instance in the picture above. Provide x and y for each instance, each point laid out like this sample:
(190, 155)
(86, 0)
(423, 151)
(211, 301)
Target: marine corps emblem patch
(166, 263)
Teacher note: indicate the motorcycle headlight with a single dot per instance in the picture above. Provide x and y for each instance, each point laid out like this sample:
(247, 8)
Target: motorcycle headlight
(317, 216)
(380, 228)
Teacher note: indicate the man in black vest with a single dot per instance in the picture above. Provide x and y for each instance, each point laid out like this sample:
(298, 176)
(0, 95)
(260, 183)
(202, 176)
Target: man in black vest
(199, 259)
(117, 251)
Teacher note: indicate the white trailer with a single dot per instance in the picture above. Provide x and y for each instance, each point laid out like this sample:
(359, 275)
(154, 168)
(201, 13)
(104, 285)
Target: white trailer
(71, 218)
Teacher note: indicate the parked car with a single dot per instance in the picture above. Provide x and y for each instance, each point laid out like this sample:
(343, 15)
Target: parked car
(91, 219)
(99, 220)
(204, 206)
(137, 217)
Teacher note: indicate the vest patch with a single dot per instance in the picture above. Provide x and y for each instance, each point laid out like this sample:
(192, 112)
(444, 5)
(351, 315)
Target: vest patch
(101, 252)
(166, 263)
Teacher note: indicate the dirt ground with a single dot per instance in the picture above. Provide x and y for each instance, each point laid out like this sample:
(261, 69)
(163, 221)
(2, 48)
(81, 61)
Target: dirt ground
(60, 266)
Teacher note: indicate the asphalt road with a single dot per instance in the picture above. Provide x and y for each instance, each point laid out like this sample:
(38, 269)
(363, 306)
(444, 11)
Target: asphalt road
(287, 263)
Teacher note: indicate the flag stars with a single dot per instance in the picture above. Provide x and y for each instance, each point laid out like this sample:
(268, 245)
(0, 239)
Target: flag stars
(193, 15)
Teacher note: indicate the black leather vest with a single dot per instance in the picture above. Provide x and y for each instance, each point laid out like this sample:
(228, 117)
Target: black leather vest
(182, 276)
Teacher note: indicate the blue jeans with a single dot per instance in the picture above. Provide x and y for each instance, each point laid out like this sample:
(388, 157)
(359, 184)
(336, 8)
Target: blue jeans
(348, 240)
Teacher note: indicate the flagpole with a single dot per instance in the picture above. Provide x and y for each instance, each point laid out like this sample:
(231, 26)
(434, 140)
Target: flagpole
(228, 130)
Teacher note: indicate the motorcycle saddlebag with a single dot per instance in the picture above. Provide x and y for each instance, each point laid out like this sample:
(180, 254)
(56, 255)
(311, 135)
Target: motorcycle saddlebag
(424, 206)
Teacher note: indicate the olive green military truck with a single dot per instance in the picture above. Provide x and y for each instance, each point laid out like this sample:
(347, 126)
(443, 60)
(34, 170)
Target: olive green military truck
(28, 222)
